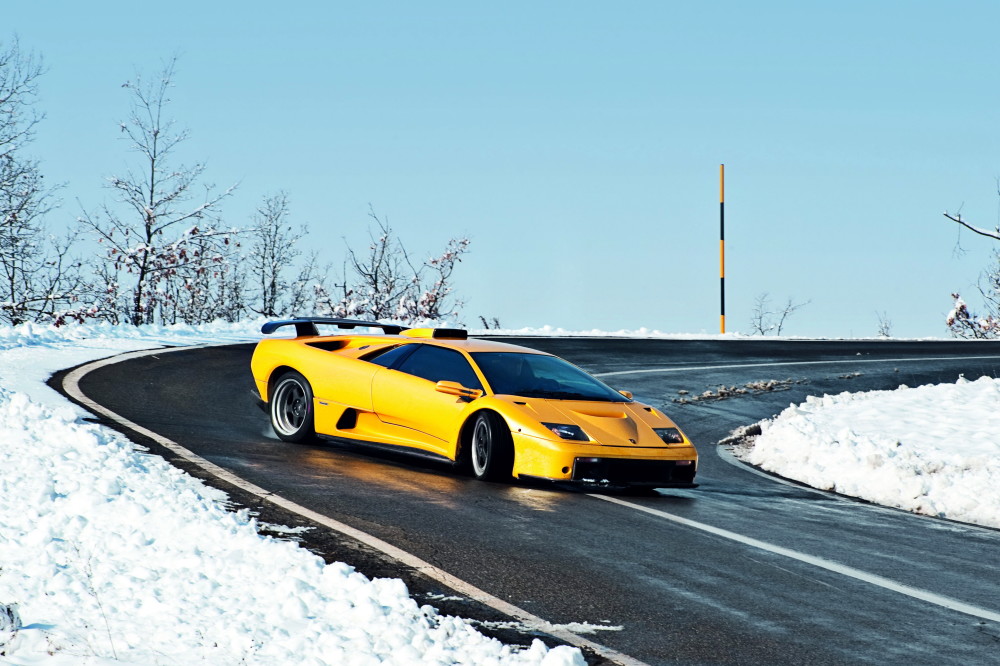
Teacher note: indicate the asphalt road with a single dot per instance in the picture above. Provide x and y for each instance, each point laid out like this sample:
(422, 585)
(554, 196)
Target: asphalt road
(725, 587)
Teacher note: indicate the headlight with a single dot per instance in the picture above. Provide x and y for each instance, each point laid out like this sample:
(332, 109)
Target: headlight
(568, 431)
(670, 435)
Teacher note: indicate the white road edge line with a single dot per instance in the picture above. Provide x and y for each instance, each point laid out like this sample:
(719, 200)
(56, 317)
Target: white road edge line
(71, 383)
(829, 565)
(790, 363)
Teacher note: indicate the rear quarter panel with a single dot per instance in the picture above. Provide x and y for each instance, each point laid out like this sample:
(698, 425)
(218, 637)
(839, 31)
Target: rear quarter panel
(333, 377)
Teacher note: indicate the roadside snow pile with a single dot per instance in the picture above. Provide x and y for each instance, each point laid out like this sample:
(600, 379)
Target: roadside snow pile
(557, 332)
(175, 334)
(642, 332)
(31, 353)
(109, 555)
(933, 449)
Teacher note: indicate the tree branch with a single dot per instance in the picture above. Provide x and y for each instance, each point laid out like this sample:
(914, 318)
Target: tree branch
(995, 235)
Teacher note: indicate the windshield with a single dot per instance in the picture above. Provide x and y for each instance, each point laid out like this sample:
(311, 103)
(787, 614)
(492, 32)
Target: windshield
(541, 376)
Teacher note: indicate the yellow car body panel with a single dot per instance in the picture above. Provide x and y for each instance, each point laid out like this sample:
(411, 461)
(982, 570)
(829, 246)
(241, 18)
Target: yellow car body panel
(432, 419)
(360, 400)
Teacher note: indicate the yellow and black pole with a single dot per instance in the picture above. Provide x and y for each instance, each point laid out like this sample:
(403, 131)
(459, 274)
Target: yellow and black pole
(722, 247)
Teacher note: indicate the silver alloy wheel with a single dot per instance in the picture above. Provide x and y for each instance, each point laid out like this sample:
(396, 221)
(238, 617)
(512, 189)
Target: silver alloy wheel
(290, 407)
(482, 445)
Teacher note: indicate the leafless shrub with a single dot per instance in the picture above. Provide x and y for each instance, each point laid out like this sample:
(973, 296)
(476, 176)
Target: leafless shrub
(767, 319)
(884, 325)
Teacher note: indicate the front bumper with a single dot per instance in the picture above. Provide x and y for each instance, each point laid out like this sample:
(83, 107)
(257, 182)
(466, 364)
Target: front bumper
(598, 465)
(619, 471)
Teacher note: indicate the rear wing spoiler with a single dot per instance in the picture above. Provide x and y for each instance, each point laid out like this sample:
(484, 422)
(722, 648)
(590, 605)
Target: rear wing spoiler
(306, 326)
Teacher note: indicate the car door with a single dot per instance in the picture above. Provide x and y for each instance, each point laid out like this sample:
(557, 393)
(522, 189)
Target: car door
(405, 396)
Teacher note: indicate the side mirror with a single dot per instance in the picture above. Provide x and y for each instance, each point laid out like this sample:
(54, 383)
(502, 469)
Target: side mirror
(454, 388)
(627, 394)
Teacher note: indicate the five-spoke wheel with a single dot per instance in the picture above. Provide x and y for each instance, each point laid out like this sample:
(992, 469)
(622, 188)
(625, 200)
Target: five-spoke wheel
(491, 449)
(292, 408)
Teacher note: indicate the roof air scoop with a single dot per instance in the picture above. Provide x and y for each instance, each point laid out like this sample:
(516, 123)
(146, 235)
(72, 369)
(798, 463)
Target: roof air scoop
(439, 333)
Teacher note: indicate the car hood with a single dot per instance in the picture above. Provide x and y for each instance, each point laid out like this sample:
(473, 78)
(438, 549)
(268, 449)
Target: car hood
(608, 423)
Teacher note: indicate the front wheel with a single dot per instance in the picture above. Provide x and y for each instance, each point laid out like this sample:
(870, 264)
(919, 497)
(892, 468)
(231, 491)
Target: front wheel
(292, 408)
(492, 449)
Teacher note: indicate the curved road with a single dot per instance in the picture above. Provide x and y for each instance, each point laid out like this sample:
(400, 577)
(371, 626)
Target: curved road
(746, 569)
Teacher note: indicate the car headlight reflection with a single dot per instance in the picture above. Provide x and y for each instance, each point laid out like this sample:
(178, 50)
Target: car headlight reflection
(568, 431)
(670, 435)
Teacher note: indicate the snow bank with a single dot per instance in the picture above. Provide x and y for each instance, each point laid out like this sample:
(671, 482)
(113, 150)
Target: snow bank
(557, 332)
(35, 335)
(933, 449)
(648, 333)
(109, 555)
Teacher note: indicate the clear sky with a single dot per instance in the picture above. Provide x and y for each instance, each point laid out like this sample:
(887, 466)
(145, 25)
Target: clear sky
(577, 143)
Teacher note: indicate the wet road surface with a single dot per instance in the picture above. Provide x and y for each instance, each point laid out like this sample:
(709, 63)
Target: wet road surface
(670, 576)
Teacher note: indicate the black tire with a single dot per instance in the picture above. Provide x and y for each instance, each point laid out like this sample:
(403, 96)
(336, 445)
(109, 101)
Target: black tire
(491, 448)
(291, 408)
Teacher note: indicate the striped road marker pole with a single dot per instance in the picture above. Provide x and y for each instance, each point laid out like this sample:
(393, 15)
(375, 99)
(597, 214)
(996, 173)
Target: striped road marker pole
(722, 247)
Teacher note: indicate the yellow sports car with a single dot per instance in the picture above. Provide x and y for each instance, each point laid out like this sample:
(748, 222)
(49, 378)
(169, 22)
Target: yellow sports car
(494, 409)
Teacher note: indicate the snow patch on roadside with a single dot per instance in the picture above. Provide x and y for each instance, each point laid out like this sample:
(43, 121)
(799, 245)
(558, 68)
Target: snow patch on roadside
(932, 450)
(579, 628)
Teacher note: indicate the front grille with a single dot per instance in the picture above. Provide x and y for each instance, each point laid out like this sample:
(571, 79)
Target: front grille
(611, 471)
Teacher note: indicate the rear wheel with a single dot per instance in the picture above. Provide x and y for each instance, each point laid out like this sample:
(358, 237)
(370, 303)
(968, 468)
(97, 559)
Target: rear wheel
(491, 451)
(292, 408)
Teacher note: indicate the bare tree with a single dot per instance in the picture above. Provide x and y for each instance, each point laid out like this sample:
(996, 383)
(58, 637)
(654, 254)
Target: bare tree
(884, 325)
(766, 319)
(23, 260)
(19, 74)
(429, 300)
(155, 240)
(272, 255)
(963, 323)
(384, 283)
(381, 277)
(302, 293)
(39, 281)
(207, 289)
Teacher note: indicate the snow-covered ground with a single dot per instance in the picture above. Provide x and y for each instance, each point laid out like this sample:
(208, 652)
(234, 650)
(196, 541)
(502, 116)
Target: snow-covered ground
(110, 555)
(932, 449)
(652, 333)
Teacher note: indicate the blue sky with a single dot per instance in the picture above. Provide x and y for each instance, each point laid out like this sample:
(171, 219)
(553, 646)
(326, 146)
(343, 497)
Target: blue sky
(577, 143)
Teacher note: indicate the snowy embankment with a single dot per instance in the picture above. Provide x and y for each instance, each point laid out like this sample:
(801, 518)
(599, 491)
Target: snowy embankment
(109, 555)
(933, 449)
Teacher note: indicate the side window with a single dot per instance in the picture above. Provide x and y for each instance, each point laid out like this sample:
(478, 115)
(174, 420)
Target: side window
(437, 363)
(388, 356)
